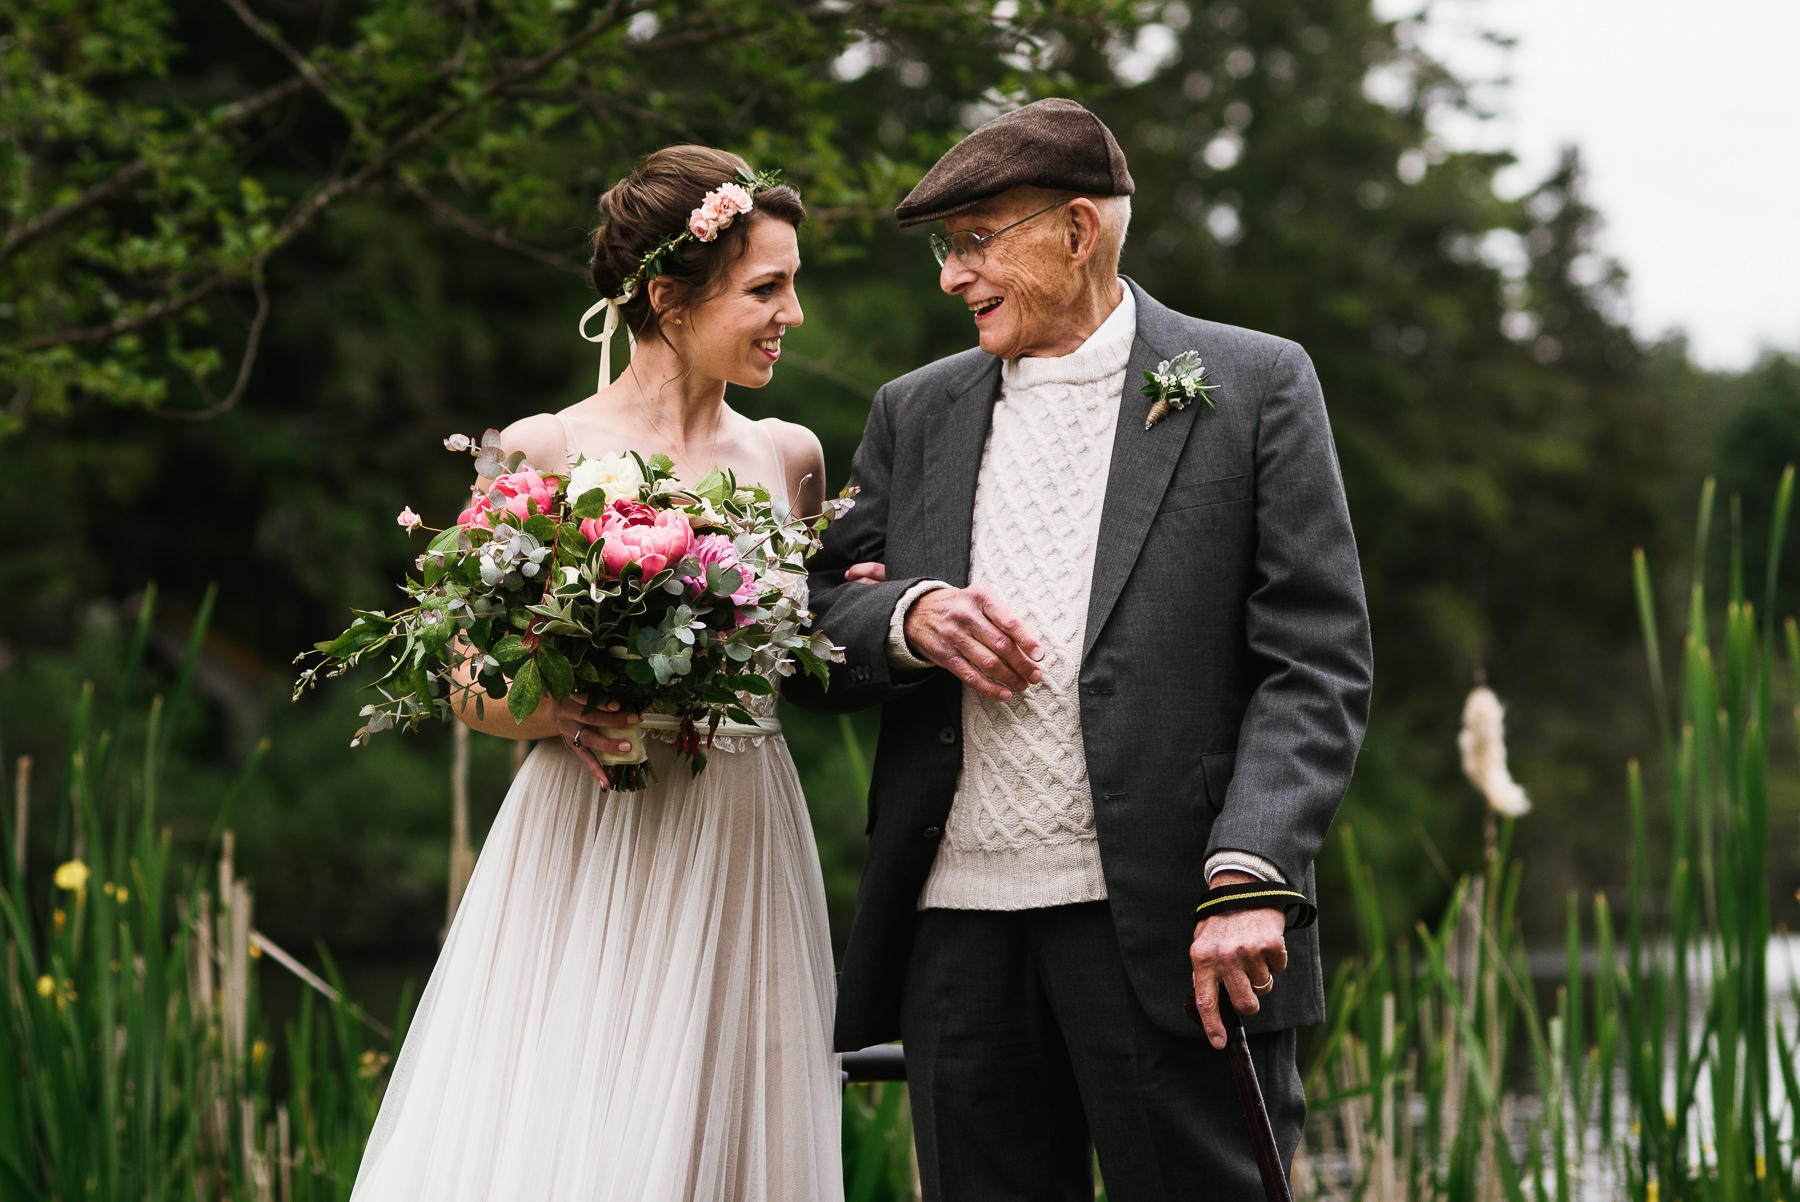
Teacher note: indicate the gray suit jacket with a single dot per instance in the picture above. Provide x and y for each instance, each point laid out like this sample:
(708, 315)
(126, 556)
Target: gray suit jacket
(1226, 670)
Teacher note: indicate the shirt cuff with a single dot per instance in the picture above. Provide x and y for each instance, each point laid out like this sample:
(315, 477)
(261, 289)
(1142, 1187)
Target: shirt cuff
(899, 655)
(1242, 861)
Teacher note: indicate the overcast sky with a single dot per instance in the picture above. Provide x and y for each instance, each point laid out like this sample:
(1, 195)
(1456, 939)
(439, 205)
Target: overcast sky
(1688, 117)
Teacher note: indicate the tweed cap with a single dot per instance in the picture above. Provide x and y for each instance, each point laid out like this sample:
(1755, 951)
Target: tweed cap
(1048, 144)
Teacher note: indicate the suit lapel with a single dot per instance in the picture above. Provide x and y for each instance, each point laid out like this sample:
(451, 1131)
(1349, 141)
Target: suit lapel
(1142, 463)
(955, 440)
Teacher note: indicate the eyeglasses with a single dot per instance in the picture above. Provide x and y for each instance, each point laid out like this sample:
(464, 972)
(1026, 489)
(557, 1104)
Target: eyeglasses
(969, 247)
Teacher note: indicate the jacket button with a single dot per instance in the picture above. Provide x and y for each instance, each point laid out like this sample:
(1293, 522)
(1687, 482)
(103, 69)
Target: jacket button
(931, 832)
(947, 736)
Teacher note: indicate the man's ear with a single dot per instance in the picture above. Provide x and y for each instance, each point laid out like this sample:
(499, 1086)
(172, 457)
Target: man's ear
(1083, 231)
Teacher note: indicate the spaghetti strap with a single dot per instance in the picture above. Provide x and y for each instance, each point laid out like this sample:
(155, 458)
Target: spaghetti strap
(569, 440)
(780, 459)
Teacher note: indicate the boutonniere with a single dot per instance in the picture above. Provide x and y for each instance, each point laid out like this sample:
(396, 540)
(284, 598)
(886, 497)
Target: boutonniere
(1175, 384)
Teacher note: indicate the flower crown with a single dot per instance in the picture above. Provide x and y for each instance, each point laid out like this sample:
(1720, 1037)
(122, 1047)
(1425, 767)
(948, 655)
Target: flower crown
(716, 211)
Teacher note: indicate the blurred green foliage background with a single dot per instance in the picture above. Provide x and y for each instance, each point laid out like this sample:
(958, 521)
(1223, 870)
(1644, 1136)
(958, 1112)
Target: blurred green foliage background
(1505, 439)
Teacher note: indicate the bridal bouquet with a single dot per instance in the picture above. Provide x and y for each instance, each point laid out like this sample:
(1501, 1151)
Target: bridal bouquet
(611, 583)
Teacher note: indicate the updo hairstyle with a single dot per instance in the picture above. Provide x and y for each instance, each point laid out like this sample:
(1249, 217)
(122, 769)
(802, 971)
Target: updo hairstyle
(653, 203)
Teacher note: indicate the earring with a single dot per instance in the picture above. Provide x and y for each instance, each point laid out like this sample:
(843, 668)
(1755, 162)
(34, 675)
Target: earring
(678, 321)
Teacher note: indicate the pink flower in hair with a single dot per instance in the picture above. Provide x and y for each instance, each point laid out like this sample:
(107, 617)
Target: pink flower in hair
(733, 199)
(717, 209)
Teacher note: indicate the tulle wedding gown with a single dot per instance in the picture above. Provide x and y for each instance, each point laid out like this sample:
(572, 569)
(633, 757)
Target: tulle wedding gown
(634, 1002)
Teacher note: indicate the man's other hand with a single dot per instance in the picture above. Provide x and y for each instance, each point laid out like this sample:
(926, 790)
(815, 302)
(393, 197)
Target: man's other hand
(974, 635)
(1241, 952)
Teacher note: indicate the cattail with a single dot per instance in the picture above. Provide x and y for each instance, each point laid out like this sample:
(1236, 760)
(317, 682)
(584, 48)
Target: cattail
(1483, 746)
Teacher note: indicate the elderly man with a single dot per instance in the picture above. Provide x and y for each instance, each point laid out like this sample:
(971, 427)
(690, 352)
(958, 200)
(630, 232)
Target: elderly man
(1123, 661)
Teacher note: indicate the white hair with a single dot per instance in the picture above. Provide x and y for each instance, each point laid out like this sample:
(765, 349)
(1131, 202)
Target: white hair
(1115, 222)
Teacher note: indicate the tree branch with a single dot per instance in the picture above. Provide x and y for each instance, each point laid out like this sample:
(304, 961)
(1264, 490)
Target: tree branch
(458, 220)
(825, 371)
(302, 64)
(244, 365)
(335, 189)
(127, 177)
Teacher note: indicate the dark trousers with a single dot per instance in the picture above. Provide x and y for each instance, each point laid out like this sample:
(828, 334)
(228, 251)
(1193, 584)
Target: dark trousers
(1027, 1052)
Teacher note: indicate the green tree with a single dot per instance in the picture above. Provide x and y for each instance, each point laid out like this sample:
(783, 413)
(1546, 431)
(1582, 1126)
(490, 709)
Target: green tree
(412, 288)
(161, 155)
(1501, 452)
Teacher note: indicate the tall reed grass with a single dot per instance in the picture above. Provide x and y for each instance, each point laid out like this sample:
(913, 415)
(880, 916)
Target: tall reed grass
(134, 1063)
(1664, 1070)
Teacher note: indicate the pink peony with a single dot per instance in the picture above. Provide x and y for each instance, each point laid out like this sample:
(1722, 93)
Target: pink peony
(635, 533)
(716, 548)
(515, 489)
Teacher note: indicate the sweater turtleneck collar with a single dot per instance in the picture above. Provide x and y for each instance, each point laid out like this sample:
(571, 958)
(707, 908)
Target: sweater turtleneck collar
(1104, 354)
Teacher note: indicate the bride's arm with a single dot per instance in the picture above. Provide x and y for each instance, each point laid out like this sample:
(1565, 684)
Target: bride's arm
(540, 437)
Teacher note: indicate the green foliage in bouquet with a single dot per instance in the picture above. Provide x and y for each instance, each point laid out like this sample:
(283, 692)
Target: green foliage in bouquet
(633, 591)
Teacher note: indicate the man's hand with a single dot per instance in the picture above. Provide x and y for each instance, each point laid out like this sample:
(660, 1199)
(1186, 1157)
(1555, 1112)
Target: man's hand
(971, 633)
(1241, 951)
(866, 573)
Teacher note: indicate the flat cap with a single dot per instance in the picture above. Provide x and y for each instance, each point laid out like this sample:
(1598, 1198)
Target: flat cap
(1048, 144)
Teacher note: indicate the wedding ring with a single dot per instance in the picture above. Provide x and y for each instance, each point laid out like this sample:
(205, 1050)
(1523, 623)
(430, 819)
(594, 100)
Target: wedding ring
(576, 742)
(1265, 986)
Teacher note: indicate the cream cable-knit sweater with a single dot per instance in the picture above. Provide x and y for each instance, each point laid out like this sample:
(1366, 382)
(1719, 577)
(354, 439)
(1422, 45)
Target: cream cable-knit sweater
(1021, 830)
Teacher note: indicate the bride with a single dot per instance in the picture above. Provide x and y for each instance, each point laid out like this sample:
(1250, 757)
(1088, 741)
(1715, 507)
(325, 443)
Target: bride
(634, 1001)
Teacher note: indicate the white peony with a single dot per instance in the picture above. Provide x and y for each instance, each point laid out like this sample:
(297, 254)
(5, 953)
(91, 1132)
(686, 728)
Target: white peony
(617, 474)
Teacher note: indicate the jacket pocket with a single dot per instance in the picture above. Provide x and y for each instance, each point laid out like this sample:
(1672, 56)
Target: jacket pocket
(1206, 492)
(1218, 768)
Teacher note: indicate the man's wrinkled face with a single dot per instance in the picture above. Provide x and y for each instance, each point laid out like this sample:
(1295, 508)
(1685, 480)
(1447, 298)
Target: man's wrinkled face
(1021, 297)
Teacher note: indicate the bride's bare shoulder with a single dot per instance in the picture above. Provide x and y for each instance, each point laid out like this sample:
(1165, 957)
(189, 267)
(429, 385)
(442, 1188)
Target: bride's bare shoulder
(541, 437)
(804, 460)
(798, 444)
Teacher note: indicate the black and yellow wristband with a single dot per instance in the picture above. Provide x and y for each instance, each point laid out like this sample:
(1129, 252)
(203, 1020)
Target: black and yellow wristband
(1258, 895)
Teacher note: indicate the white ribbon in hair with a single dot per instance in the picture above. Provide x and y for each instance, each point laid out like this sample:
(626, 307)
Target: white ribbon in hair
(607, 329)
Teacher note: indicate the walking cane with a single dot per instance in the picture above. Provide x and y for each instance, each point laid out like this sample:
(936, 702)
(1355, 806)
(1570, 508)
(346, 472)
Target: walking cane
(1256, 1111)
(1225, 899)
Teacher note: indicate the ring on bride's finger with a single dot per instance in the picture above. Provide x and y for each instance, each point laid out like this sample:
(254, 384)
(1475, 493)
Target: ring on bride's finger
(1265, 986)
(576, 741)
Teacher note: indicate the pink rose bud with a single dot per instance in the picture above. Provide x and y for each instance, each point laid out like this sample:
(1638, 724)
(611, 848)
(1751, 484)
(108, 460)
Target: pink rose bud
(409, 521)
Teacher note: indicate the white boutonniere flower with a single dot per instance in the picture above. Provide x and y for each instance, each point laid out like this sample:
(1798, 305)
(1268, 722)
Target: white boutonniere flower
(1175, 384)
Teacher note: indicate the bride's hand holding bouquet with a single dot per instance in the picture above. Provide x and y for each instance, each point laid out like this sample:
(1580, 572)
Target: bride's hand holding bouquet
(612, 583)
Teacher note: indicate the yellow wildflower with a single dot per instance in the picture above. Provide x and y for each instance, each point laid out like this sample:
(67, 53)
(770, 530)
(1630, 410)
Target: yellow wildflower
(257, 1051)
(124, 895)
(72, 876)
(46, 986)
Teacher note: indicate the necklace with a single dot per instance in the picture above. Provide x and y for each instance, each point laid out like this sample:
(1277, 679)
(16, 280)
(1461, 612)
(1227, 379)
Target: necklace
(644, 408)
